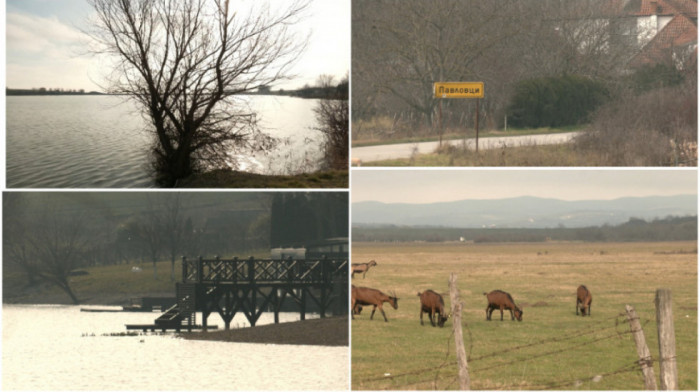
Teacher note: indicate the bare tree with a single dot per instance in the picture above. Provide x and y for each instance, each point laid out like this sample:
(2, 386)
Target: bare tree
(409, 45)
(148, 230)
(58, 243)
(174, 227)
(401, 47)
(186, 62)
(16, 247)
(332, 119)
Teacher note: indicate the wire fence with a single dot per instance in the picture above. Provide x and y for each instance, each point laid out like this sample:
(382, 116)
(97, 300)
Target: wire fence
(443, 376)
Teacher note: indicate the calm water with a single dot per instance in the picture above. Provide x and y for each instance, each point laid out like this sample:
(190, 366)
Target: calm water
(59, 348)
(100, 142)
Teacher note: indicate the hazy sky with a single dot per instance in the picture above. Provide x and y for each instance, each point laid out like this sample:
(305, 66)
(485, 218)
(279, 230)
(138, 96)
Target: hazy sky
(428, 186)
(46, 48)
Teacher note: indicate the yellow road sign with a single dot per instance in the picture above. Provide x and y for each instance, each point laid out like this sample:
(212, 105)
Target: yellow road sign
(458, 89)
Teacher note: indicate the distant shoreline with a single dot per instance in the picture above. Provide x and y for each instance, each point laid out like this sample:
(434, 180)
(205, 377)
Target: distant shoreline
(307, 93)
(25, 92)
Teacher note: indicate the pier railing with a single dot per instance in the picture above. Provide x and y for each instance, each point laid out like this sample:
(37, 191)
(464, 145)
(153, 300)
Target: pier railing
(262, 271)
(252, 286)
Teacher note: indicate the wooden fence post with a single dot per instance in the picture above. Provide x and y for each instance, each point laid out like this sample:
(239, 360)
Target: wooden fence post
(645, 360)
(457, 329)
(667, 340)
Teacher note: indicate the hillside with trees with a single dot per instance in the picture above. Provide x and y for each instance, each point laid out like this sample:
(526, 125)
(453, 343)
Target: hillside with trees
(635, 230)
(50, 237)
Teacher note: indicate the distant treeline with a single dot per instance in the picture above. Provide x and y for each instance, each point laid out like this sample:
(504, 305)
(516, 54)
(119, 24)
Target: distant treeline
(302, 218)
(49, 91)
(335, 92)
(666, 229)
(340, 91)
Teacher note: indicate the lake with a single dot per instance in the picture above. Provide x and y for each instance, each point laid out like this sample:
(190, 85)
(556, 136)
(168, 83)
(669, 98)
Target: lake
(100, 141)
(52, 347)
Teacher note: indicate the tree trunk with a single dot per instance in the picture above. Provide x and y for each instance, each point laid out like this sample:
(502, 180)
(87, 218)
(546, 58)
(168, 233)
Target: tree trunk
(65, 286)
(175, 167)
(429, 117)
(70, 293)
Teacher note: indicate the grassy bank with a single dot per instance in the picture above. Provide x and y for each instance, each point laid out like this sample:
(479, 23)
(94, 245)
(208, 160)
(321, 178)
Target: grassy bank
(236, 179)
(566, 155)
(544, 155)
(103, 285)
(551, 347)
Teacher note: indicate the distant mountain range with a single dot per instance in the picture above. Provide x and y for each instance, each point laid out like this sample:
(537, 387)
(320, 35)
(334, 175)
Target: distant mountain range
(523, 212)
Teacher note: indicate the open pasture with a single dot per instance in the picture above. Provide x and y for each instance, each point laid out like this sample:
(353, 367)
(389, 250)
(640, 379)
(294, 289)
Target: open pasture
(551, 348)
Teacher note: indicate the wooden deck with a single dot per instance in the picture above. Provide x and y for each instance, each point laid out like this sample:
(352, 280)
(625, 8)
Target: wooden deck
(252, 286)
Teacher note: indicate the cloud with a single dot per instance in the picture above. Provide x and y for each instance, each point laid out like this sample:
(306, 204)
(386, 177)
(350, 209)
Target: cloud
(42, 36)
(44, 52)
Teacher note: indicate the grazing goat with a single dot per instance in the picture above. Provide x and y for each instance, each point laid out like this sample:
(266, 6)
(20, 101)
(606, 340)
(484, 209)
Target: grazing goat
(501, 300)
(364, 296)
(432, 303)
(583, 300)
(362, 268)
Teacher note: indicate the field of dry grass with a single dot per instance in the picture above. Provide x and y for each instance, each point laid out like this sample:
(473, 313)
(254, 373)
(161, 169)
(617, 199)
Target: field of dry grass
(542, 278)
(538, 155)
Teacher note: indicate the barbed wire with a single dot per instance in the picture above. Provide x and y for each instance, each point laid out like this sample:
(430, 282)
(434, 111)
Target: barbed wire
(535, 356)
(445, 363)
(449, 341)
(545, 341)
(431, 381)
(633, 367)
(410, 373)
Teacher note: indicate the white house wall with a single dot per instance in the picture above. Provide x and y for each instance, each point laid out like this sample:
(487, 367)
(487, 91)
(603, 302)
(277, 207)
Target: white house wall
(649, 26)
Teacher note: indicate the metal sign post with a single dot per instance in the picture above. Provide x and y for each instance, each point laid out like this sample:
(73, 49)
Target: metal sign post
(440, 122)
(477, 126)
(443, 90)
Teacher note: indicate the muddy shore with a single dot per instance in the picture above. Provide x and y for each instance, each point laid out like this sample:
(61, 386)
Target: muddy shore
(330, 331)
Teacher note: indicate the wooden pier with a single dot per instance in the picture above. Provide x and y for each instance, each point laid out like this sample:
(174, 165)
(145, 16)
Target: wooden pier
(252, 286)
(164, 328)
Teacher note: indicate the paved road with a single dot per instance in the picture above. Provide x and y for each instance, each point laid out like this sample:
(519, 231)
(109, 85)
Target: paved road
(398, 151)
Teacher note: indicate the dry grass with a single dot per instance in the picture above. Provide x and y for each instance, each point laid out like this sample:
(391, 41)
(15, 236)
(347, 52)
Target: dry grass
(658, 128)
(543, 155)
(236, 179)
(542, 278)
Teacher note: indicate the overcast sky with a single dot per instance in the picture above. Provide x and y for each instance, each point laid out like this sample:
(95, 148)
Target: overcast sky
(45, 47)
(429, 186)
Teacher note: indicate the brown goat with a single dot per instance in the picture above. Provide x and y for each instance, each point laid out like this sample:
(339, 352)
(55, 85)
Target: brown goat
(432, 303)
(584, 299)
(364, 296)
(362, 268)
(498, 299)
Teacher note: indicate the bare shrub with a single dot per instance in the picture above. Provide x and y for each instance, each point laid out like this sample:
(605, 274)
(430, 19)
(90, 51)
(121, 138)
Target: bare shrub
(658, 128)
(333, 121)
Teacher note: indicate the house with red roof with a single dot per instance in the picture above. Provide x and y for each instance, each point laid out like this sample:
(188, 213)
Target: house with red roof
(665, 31)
